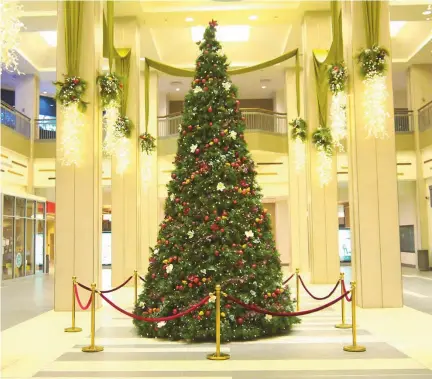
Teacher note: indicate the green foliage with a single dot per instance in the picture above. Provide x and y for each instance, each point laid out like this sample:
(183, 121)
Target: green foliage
(123, 127)
(147, 143)
(110, 89)
(298, 129)
(215, 229)
(322, 139)
(71, 91)
(373, 61)
(338, 76)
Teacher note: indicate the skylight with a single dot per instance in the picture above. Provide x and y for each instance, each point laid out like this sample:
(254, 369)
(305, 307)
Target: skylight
(230, 33)
(50, 37)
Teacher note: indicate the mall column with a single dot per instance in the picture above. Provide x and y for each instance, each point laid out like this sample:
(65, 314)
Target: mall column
(125, 229)
(78, 188)
(372, 177)
(148, 183)
(419, 91)
(323, 218)
(298, 194)
(27, 100)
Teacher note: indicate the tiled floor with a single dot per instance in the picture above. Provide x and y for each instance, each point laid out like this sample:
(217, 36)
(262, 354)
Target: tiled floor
(398, 345)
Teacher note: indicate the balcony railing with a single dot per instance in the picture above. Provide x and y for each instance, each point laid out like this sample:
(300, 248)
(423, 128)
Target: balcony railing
(425, 117)
(45, 129)
(255, 119)
(403, 121)
(15, 120)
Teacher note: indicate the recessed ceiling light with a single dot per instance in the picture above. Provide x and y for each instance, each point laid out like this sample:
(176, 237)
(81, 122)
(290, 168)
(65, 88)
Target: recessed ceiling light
(44, 92)
(50, 37)
(253, 17)
(189, 19)
(263, 87)
(396, 27)
(177, 89)
(230, 33)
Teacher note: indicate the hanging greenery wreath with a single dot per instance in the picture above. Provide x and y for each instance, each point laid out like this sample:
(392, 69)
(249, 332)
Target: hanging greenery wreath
(147, 142)
(323, 141)
(337, 76)
(123, 127)
(110, 89)
(71, 91)
(373, 61)
(298, 129)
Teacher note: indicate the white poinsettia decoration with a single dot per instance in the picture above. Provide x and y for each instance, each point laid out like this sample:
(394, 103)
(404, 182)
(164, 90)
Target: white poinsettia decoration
(212, 298)
(190, 233)
(198, 89)
(155, 251)
(233, 134)
(142, 304)
(180, 128)
(249, 234)
(169, 268)
(268, 317)
(204, 271)
(193, 148)
(252, 292)
(161, 324)
(220, 186)
(172, 197)
(226, 86)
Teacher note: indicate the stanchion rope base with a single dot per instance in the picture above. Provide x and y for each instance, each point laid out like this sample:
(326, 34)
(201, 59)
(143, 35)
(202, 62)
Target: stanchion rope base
(354, 349)
(73, 329)
(92, 349)
(343, 326)
(221, 357)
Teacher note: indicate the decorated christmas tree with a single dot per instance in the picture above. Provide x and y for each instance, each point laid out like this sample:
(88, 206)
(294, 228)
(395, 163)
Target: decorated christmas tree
(215, 229)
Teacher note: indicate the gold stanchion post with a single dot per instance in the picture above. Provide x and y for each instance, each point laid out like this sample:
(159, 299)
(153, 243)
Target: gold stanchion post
(343, 325)
(218, 356)
(298, 288)
(354, 348)
(92, 348)
(73, 328)
(136, 285)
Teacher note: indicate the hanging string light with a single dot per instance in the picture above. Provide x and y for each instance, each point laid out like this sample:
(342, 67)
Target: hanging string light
(10, 27)
(71, 135)
(299, 136)
(109, 121)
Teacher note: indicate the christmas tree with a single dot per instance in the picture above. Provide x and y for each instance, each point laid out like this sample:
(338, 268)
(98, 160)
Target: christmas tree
(215, 229)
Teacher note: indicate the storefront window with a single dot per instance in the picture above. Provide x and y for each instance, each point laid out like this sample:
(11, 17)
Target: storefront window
(8, 250)
(19, 246)
(30, 242)
(40, 245)
(40, 211)
(30, 209)
(8, 205)
(20, 207)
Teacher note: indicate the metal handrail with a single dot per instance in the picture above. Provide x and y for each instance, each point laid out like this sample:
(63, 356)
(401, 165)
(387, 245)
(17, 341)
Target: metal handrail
(45, 129)
(15, 120)
(403, 121)
(425, 117)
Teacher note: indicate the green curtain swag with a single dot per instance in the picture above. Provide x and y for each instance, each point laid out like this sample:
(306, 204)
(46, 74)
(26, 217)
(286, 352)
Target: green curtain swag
(122, 69)
(73, 16)
(108, 34)
(186, 73)
(372, 12)
(323, 58)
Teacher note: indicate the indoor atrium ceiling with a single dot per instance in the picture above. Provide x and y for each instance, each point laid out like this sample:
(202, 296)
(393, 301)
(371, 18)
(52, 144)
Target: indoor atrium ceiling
(274, 27)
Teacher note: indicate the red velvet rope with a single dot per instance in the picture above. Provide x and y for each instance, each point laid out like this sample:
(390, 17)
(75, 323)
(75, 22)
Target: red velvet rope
(142, 279)
(348, 298)
(284, 314)
(316, 297)
(118, 287)
(286, 281)
(83, 307)
(156, 319)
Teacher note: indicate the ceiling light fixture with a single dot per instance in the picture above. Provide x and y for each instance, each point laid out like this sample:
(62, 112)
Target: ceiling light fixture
(253, 17)
(428, 11)
(177, 89)
(44, 92)
(263, 87)
(396, 27)
(189, 19)
(50, 37)
(142, 59)
(230, 33)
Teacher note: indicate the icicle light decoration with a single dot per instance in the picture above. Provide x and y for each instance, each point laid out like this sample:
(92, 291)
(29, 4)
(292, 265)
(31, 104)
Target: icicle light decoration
(71, 135)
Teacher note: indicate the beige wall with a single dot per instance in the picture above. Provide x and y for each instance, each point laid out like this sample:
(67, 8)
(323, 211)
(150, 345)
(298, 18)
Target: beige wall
(400, 99)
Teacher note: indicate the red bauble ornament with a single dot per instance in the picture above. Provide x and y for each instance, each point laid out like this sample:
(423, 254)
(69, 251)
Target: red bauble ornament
(277, 291)
(177, 200)
(208, 313)
(216, 253)
(273, 294)
(210, 109)
(227, 306)
(190, 127)
(222, 133)
(237, 102)
(205, 51)
(184, 132)
(215, 140)
(173, 176)
(240, 321)
(218, 218)
(265, 296)
(204, 80)
(175, 311)
(170, 260)
(240, 252)
(196, 280)
(197, 80)
(207, 145)
(206, 218)
(210, 123)
(205, 89)
(190, 285)
(197, 151)
(153, 275)
(254, 266)
(222, 230)
(214, 227)
(234, 201)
